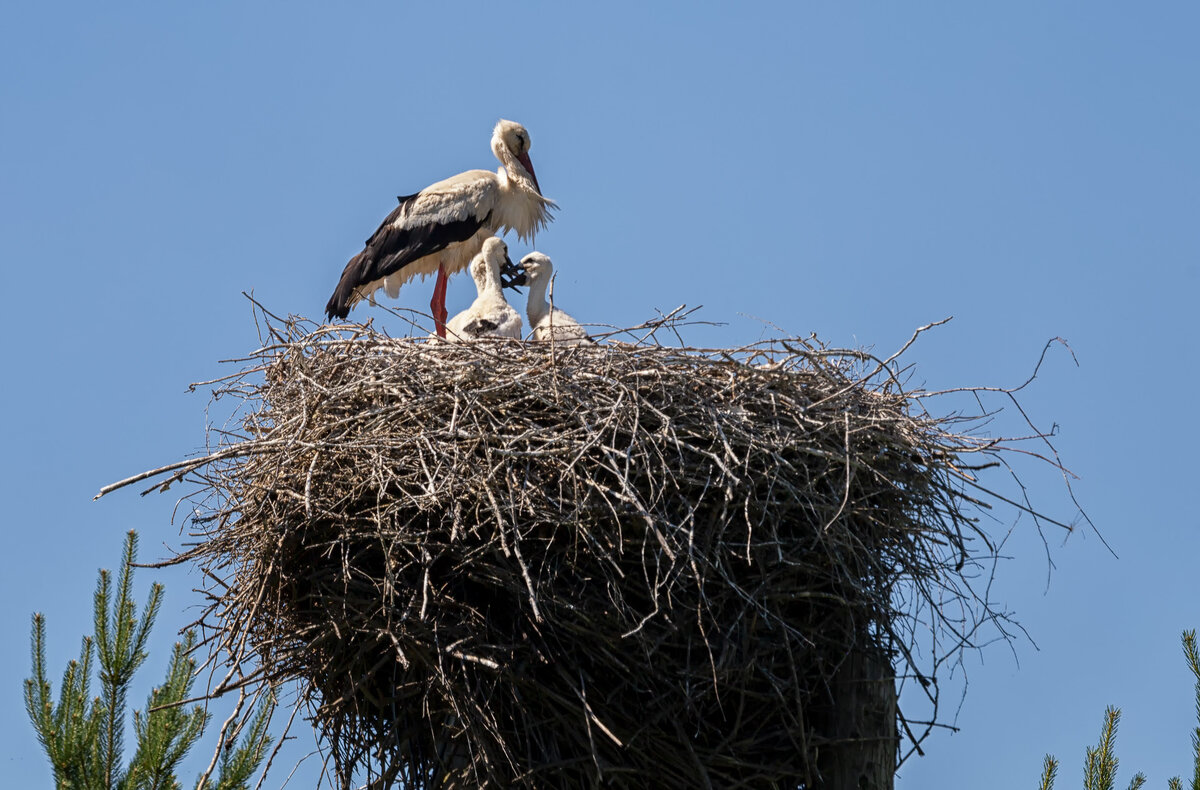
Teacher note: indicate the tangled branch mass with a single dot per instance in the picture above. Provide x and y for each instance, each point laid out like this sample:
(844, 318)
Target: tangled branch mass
(524, 564)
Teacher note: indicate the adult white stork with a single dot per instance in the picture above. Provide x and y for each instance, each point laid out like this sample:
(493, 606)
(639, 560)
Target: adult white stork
(547, 323)
(440, 228)
(490, 315)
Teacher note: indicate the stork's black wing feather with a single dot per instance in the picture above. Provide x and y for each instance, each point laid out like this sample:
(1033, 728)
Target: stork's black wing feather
(394, 245)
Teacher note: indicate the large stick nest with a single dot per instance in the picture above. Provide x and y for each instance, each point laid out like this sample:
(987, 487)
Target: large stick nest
(623, 564)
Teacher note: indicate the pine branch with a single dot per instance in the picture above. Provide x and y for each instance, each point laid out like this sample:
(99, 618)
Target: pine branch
(1049, 773)
(1193, 660)
(69, 730)
(39, 703)
(81, 725)
(109, 706)
(165, 730)
(1100, 771)
(120, 642)
(239, 762)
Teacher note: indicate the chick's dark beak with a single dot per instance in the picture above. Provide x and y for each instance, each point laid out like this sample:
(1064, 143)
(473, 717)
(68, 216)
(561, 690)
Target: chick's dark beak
(511, 275)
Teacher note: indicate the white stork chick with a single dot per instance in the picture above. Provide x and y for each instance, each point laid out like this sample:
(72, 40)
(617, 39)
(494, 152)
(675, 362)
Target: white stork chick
(490, 315)
(547, 323)
(442, 227)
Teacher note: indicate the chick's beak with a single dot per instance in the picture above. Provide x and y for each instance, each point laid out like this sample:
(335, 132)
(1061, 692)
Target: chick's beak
(511, 275)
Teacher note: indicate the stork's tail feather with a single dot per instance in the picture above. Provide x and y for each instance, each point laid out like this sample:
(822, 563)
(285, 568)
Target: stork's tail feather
(338, 306)
(335, 309)
(343, 296)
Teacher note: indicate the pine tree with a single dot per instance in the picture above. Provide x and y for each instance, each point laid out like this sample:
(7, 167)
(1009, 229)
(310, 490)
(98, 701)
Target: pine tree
(1100, 766)
(84, 736)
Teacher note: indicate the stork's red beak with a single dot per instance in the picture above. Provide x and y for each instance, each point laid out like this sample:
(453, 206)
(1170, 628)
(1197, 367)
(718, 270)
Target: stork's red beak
(528, 165)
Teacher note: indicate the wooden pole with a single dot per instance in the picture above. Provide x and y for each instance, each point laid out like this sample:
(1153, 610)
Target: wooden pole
(862, 726)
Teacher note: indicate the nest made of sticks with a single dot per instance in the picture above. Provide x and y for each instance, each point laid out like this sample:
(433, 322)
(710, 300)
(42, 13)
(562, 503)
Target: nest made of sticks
(520, 564)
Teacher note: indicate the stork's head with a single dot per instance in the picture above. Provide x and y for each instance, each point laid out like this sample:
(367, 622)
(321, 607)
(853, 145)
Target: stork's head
(495, 251)
(510, 144)
(537, 268)
(491, 260)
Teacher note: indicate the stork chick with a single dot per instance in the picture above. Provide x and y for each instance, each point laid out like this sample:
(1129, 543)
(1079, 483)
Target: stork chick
(546, 323)
(490, 315)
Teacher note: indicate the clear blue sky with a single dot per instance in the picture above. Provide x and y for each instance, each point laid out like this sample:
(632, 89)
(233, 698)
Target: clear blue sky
(1032, 169)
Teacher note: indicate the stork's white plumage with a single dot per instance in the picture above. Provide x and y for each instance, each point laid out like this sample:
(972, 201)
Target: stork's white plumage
(490, 315)
(443, 226)
(546, 322)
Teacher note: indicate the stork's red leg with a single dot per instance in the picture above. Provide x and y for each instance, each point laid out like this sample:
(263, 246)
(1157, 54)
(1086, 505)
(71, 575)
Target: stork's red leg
(437, 305)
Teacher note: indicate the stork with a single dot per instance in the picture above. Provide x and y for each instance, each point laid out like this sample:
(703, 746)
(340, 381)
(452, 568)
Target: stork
(442, 227)
(490, 315)
(546, 322)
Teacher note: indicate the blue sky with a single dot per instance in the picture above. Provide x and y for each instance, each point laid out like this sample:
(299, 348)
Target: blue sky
(1031, 169)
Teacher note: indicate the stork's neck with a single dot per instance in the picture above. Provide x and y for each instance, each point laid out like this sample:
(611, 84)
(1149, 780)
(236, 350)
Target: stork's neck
(489, 284)
(520, 207)
(537, 308)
